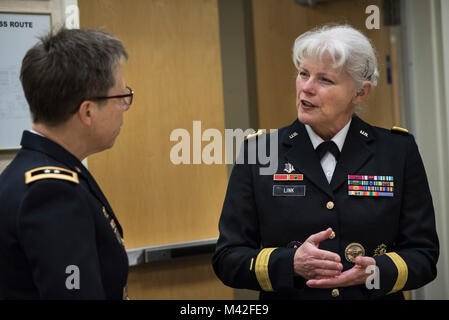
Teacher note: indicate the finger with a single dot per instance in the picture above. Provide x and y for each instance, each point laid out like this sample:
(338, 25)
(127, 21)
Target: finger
(325, 255)
(324, 283)
(342, 280)
(319, 278)
(325, 273)
(351, 277)
(320, 236)
(364, 261)
(326, 264)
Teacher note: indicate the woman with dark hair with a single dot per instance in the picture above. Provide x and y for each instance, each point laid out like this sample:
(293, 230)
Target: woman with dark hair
(59, 238)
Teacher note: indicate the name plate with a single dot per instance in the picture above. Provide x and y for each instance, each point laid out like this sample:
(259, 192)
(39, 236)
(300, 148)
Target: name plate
(289, 190)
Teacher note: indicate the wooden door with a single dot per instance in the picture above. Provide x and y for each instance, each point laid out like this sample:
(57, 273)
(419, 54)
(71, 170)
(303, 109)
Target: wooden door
(277, 23)
(174, 68)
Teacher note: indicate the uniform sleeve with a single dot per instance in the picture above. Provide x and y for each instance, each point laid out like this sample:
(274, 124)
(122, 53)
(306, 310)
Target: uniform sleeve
(57, 233)
(239, 261)
(413, 263)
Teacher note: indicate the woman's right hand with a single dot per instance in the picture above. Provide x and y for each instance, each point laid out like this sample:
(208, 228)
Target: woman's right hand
(310, 262)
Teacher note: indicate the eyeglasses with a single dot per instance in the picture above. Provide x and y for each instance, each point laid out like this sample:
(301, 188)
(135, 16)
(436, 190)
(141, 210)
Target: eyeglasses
(127, 98)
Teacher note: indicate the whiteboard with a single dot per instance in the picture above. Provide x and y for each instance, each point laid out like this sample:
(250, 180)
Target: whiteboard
(18, 33)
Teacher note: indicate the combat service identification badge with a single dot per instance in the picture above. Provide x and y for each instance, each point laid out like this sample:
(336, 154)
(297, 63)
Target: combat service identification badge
(288, 167)
(353, 250)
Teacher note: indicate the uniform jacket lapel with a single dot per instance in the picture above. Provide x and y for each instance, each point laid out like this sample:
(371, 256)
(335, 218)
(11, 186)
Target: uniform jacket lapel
(358, 148)
(99, 194)
(303, 157)
(94, 187)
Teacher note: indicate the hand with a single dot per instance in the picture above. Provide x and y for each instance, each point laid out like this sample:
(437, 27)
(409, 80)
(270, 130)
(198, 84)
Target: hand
(354, 276)
(312, 263)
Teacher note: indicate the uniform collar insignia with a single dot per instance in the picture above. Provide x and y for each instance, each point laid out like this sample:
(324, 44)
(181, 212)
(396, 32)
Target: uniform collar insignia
(294, 134)
(364, 133)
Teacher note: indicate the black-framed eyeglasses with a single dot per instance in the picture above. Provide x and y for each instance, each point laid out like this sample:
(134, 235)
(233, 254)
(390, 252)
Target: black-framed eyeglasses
(127, 98)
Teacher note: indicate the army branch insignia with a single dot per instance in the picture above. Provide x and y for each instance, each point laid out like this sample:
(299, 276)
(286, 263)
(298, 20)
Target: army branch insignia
(353, 250)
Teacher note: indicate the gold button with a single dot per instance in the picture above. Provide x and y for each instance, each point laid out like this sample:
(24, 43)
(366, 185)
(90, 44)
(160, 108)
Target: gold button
(335, 293)
(330, 205)
(332, 235)
(78, 169)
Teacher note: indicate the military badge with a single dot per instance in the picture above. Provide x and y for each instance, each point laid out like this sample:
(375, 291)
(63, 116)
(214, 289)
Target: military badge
(51, 173)
(399, 130)
(288, 167)
(353, 250)
(288, 177)
(113, 226)
(105, 213)
(117, 234)
(380, 250)
(371, 186)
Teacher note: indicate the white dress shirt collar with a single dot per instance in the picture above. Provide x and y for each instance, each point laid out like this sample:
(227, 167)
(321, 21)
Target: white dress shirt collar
(32, 131)
(339, 138)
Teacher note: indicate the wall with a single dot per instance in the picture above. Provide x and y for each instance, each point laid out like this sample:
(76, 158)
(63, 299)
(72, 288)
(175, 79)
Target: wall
(426, 114)
(276, 26)
(57, 9)
(174, 68)
(426, 84)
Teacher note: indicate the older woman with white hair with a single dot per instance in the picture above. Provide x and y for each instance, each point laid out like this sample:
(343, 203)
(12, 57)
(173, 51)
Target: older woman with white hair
(348, 214)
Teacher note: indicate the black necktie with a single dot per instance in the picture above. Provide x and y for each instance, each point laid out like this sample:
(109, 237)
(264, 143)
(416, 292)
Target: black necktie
(328, 146)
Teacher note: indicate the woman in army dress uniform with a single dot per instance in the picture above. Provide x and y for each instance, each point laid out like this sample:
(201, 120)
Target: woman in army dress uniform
(59, 237)
(348, 214)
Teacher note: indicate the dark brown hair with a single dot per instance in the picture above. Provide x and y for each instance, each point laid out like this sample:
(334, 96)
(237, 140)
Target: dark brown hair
(64, 69)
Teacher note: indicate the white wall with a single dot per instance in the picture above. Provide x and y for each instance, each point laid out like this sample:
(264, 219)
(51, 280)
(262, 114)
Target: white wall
(57, 9)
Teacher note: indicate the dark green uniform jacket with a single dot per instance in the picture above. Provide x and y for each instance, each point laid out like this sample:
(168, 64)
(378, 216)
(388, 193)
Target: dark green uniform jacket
(59, 238)
(258, 221)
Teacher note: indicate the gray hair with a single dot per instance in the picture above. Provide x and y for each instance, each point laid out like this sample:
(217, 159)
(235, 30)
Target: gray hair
(64, 69)
(348, 48)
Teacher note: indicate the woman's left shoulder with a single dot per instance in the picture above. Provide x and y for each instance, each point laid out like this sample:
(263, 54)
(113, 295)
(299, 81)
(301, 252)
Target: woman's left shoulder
(397, 140)
(395, 134)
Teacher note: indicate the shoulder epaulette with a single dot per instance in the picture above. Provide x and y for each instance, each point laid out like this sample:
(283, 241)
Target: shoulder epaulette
(51, 173)
(399, 130)
(258, 133)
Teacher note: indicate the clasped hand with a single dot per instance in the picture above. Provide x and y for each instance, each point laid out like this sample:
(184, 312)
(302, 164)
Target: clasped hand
(323, 269)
